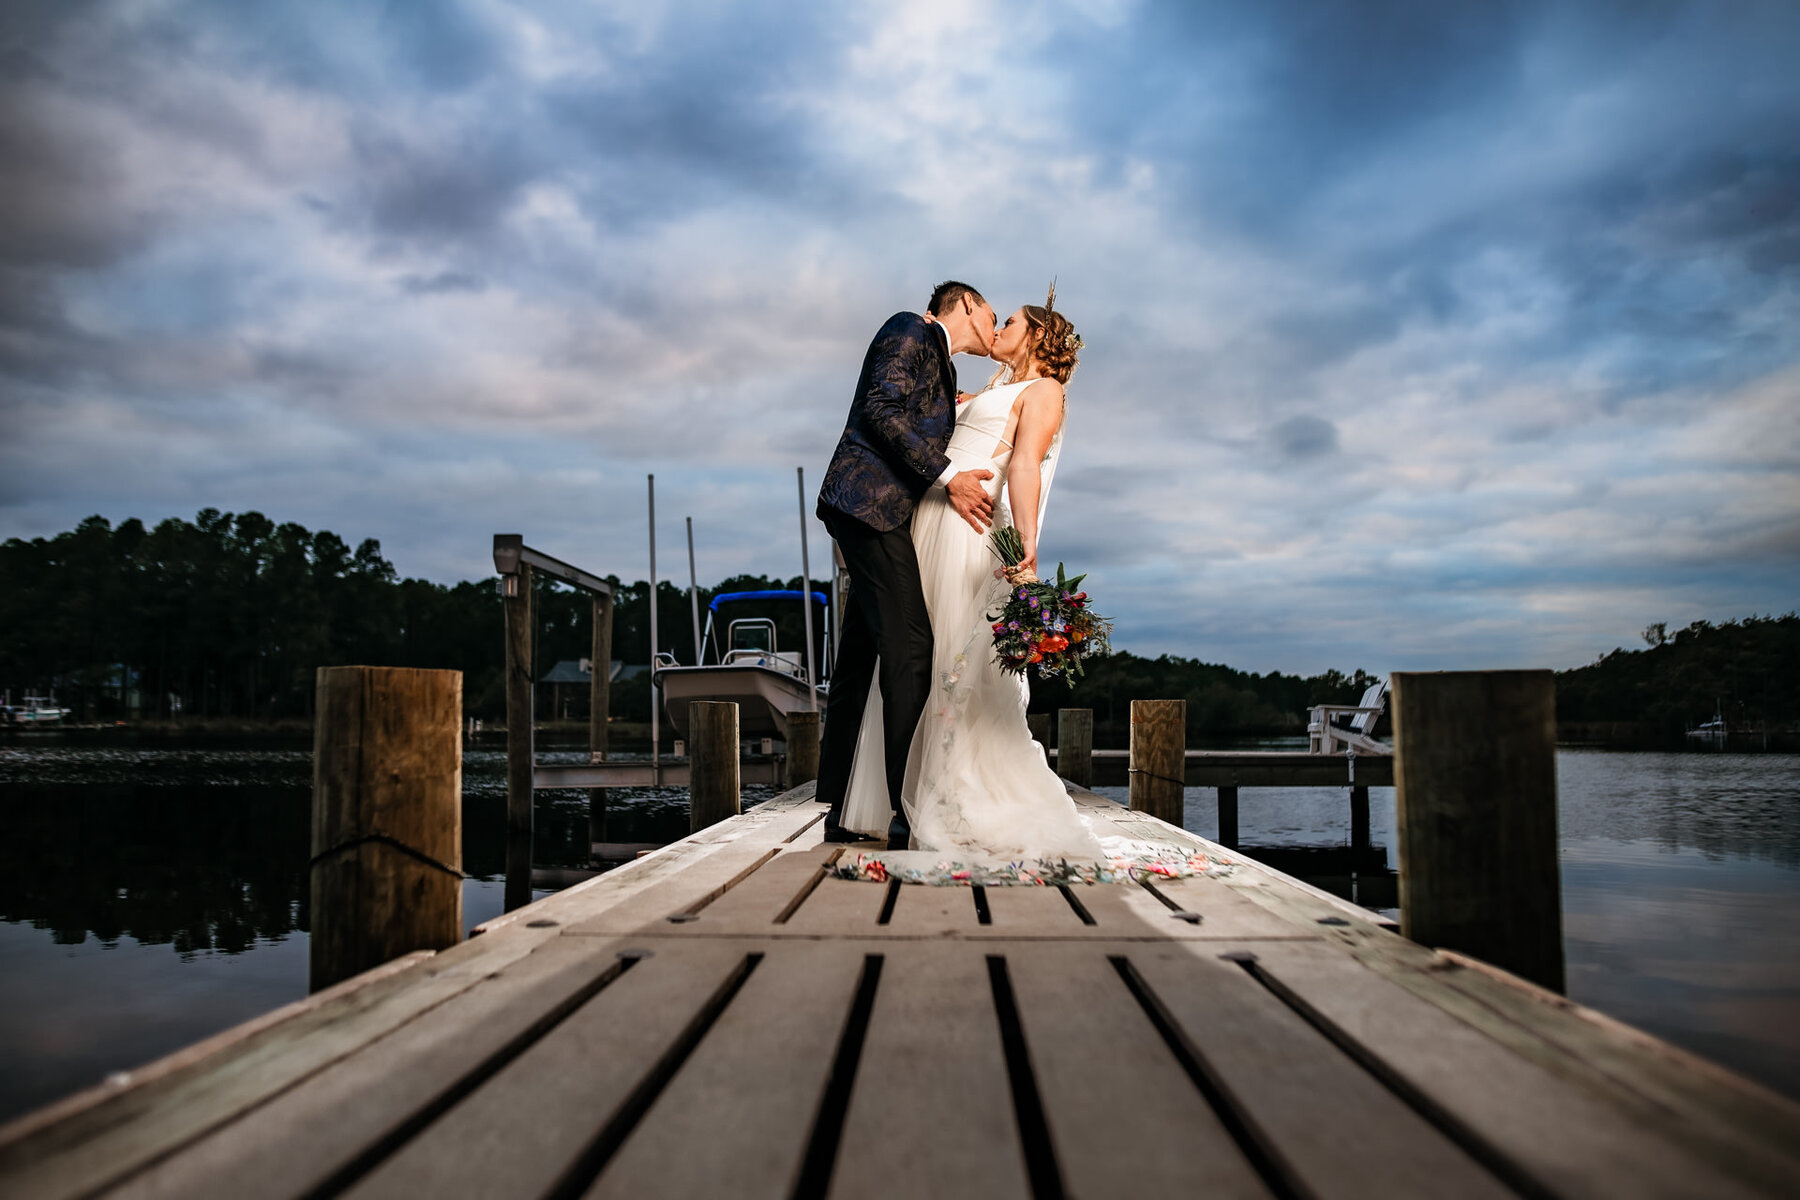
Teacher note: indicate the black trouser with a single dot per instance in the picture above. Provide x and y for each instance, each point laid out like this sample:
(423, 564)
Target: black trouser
(885, 617)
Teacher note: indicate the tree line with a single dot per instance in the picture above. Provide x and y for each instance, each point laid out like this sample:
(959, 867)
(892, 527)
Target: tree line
(229, 616)
(1748, 671)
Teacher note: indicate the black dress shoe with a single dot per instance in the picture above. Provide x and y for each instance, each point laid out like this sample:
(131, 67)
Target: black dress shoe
(899, 833)
(837, 833)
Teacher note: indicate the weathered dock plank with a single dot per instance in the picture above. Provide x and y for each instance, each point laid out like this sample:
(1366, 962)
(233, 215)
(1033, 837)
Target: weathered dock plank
(1095, 1056)
(721, 1013)
(932, 1114)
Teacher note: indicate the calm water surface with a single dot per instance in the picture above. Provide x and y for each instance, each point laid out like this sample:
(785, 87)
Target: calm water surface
(151, 895)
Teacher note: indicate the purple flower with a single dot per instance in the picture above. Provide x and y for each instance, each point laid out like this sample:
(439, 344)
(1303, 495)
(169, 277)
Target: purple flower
(1034, 602)
(1012, 625)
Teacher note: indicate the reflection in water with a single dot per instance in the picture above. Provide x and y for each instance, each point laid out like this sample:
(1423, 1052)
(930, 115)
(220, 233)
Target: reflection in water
(1690, 947)
(195, 868)
(1724, 806)
(151, 896)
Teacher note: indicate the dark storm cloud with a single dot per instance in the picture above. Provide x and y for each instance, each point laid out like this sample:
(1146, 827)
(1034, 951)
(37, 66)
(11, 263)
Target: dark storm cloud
(1326, 122)
(1304, 437)
(1508, 289)
(443, 281)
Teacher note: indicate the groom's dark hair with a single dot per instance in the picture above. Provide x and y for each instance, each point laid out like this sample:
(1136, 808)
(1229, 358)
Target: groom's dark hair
(949, 292)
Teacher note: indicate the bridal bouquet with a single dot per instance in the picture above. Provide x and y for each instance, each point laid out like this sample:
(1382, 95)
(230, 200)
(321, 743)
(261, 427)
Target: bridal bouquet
(1044, 625)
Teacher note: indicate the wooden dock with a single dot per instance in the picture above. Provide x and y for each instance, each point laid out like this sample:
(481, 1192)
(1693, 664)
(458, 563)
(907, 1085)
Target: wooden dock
(721, 1017)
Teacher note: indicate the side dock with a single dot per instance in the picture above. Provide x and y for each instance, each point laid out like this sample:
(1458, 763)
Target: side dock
(725, 1016)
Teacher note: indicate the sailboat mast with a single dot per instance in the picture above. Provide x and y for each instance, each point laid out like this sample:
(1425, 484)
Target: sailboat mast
(812, 678)
(694, 591)
(655, 721)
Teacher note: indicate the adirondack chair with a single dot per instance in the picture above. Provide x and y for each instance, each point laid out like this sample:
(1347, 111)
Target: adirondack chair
(1355, 735)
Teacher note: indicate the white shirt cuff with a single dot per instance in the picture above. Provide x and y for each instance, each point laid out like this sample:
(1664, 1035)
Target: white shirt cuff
(944, 479)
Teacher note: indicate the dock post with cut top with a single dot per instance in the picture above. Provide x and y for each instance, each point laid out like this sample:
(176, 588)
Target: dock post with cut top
(521, 750)
(713, 781)
(1359, 821)
(599, 709)
(1159, 757)
(1228, 815)
(802, 748)
(1475, 803)
(1075, 746)
(386, 818)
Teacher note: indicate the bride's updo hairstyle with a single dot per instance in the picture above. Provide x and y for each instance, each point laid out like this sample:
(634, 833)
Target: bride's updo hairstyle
(1054, 343)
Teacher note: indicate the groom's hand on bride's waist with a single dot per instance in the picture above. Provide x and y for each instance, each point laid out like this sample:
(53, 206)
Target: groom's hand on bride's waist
(970, 499)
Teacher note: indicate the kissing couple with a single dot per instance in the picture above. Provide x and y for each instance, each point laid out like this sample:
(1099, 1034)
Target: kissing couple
(925, 743)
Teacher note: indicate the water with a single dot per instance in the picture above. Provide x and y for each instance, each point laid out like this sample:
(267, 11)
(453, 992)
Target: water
(153, 894)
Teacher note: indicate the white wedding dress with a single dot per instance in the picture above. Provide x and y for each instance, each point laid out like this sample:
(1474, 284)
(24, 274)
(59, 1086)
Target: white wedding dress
(977, 785)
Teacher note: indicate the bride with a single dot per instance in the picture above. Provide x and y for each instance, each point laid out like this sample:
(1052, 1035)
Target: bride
(977, 785)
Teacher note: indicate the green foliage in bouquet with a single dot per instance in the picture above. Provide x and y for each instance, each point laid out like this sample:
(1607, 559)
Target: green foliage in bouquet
(1044, 625)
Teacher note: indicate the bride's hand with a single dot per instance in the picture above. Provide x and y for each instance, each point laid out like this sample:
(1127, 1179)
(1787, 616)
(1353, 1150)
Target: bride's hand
(1025, 572)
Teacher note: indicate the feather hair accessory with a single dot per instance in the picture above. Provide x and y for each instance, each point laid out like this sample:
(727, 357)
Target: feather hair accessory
(1071, 339)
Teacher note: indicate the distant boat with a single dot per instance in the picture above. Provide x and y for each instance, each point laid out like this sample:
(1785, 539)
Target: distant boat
(35, 711)
(1711, 733)
(765, 682)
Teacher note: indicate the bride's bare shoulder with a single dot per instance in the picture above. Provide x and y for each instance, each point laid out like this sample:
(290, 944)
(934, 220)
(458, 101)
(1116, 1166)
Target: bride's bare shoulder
(1041, 393)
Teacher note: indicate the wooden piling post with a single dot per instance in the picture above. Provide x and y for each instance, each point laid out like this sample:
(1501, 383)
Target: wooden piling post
(713, 780)
(1039, 724)
(386, 817)
(1228, 816)
(1158, 757)
(521, 747)
(802, 748)
(1475, 800)
(1075, 746)
(599, 709)
(519, 716)
(1359, 821)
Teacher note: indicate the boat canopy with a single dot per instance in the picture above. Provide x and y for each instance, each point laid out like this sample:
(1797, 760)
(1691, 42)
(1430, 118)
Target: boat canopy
(728, 597)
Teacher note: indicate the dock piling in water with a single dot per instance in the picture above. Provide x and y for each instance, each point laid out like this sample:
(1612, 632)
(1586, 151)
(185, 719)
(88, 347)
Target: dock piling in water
(1158, 757)
(1475, 807)
(1228, 815)
(802, 748)
(1075, 746)
(713, 787)
(386, 819)
(521, 750)
(599, 709)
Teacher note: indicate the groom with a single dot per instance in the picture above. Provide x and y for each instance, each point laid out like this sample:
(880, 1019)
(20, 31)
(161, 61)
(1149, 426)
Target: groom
(891, 454)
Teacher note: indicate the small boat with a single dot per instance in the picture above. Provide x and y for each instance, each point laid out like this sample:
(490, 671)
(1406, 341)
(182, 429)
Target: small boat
(35, 711)
(1711, 733)
(765, 682)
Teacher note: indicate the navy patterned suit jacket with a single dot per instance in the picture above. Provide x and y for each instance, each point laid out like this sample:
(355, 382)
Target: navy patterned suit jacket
(900, 422)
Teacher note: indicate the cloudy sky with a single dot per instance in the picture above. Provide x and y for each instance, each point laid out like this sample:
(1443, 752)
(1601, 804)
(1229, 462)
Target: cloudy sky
(1419, 335)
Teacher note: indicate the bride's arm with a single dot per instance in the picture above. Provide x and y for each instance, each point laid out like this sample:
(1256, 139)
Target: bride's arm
(1040, 413)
